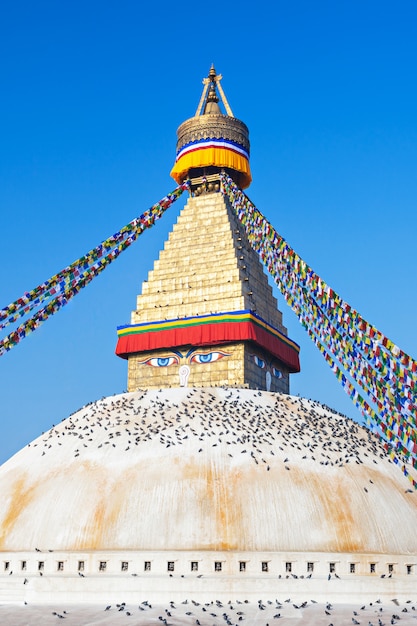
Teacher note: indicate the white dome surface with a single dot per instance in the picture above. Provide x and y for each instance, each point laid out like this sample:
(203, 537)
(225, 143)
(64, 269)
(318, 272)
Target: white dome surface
(206, 469)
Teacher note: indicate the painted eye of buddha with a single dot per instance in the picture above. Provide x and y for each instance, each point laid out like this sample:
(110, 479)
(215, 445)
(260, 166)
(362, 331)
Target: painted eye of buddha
(259, 362)
(207, 357)
(161, 361)
(276, 372)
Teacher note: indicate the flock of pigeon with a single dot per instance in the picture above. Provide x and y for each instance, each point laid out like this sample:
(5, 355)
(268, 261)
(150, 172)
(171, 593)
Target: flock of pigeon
(239, 417)
(216, 613)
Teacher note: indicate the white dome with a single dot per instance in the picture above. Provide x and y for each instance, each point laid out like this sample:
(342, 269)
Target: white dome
(206, 469)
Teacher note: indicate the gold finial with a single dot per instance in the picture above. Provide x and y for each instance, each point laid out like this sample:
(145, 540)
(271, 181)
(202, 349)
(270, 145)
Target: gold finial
(213, 80)
(212, 73)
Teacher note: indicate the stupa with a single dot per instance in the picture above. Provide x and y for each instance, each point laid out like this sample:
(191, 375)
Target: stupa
(207, 481)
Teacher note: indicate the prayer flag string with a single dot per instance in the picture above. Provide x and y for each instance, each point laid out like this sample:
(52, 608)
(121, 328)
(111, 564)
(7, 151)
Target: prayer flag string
(407, 435)
(387, 375)
(69, 281)
(347, 353)
(405, 450)
(373, 342)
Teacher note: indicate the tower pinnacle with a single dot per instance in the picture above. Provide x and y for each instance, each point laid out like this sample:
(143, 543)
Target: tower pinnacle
(207, 316)
(211, 141)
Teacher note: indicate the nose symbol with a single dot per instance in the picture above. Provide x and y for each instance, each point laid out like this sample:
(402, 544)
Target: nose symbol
(184, 373)
(268, 379)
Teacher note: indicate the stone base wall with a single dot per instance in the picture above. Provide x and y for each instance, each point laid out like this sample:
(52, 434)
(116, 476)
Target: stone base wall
(147, 370)
(261, 367)
(242, 365)
(108, 577)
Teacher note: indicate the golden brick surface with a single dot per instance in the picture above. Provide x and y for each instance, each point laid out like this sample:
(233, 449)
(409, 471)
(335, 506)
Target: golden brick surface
(200, 269)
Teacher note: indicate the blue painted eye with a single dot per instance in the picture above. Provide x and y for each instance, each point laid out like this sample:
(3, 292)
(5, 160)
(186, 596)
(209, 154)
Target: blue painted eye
(259, 362)
(161, 361)
(204, 358)
(164, 361)
(207, 357)
(277, 373)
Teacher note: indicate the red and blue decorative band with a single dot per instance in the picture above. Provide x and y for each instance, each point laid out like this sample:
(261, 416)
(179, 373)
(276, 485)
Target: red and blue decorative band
(207, 330)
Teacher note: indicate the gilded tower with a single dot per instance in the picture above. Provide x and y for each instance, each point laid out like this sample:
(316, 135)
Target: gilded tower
(207, 316)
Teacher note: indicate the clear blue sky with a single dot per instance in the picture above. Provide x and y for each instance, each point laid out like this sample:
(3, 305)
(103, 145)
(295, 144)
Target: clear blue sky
(91, 96)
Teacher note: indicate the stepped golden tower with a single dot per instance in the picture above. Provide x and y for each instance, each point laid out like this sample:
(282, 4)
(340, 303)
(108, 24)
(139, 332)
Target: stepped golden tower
(207, 316)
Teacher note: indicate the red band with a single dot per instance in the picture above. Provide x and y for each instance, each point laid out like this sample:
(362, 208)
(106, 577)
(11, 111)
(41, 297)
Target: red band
(209, 334)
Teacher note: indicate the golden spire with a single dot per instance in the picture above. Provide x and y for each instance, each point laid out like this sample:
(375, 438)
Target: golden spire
(213, 80)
